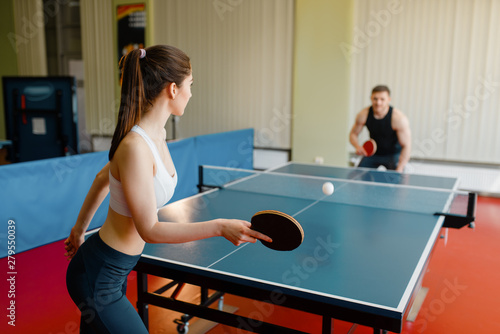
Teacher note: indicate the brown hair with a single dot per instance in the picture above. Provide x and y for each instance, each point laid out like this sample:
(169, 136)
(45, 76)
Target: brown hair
(381, 88)
(142, 80)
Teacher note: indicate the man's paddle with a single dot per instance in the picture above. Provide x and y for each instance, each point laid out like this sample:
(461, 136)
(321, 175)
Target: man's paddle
(370, 147)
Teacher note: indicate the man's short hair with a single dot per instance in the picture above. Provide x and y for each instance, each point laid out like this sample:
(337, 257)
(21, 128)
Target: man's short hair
(381, 88)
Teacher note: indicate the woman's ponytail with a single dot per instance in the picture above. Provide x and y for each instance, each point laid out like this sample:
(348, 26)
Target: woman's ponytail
(145, 73)
(132, 98)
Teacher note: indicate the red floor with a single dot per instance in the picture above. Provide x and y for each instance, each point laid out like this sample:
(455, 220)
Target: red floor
(462, 278)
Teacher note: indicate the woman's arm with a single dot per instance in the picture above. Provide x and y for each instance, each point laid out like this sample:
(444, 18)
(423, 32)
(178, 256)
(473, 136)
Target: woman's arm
(136, 175)
(94, 198)
(234, 230)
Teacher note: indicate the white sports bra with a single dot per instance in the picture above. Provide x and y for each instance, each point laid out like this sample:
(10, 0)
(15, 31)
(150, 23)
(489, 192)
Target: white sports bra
(164, 183)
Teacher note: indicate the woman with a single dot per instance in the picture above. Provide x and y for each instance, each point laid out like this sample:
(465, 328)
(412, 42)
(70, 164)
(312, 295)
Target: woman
(156, 83)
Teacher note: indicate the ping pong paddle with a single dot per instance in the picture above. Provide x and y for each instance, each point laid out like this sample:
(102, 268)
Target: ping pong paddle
(286, 232)
(370, 147)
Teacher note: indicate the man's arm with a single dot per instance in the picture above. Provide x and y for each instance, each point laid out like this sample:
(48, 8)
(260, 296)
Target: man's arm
(402, 127)
(359, 123)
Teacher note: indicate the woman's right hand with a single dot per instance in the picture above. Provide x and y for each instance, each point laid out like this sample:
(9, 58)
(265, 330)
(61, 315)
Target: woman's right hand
(73, 242)
(239, 231)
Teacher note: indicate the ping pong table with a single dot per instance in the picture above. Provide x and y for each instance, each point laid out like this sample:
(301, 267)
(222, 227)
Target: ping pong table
(5, 142)
(364, 254)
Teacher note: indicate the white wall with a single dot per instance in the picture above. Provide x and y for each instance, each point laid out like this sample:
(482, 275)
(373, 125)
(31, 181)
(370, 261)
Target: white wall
(440, 59)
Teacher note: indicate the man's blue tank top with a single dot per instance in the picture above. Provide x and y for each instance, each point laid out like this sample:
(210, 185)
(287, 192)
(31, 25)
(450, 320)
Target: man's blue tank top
(381, 131)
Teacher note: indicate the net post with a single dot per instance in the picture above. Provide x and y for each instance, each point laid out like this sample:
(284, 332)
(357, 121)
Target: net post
(471, 208)
(200, 178)
(459, 221)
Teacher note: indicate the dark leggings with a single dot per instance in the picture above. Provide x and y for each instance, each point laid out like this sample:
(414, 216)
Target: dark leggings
(388, 161)
(97, 282)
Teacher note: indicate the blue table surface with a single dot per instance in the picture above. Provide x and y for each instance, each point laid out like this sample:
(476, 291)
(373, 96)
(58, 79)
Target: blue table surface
(353, 251)
(369, 175)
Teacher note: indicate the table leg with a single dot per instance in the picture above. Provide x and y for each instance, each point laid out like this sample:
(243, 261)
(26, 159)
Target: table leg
(142, 288)
(327, 325)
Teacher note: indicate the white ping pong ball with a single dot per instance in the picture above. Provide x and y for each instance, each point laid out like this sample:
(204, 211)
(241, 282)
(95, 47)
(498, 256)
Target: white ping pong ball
(328, 188)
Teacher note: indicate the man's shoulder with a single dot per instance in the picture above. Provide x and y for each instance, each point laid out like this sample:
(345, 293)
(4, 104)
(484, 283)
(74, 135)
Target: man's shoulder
(362, 116)
(398, 117)
(397, 113)
(363, 113)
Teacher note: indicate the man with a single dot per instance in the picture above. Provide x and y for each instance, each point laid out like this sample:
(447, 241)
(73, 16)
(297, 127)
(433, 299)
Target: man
(390, 129)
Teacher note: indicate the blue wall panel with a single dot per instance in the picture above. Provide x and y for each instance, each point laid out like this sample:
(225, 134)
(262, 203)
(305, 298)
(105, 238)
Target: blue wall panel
(44, 197)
